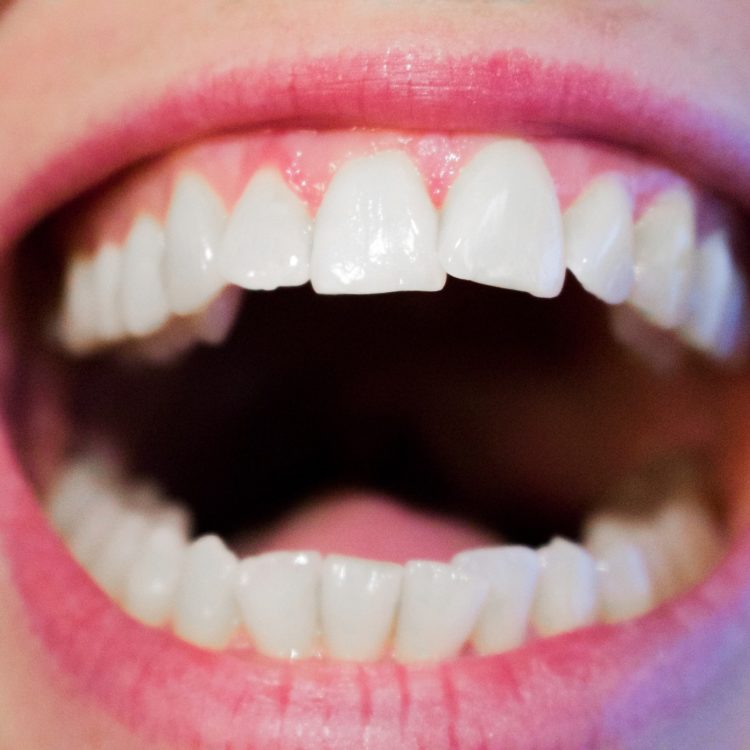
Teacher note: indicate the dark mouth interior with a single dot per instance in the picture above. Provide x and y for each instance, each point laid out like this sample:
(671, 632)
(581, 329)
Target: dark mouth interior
(514, 413)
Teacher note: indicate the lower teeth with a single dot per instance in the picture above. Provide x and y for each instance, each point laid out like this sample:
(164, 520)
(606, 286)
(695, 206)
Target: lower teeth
(301, 604)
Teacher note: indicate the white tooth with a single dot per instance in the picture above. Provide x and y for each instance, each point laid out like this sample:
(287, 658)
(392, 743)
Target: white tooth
(205, 611)
(511, 573)
(599, 239)
(106, 272)
(501, 222)
(278, 596)
(194, 229)
(359, 599)
(267, 240)
(151, 585)
(376, 230)
(664, 258)
(142, 295)
(79, 312)
(625, 586)
(439, 608)
(95, 528)
(715, 318)
(567, 591)
(112, 565)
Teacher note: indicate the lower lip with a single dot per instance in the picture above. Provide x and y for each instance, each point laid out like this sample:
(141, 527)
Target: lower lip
(597, 687)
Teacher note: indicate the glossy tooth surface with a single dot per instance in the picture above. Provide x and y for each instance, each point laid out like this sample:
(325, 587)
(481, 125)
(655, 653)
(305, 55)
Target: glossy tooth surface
(278, 596)
(79, 312)
(625, 586)
(567, 592)
(511, 574)
(439, 608)
(501, 222)
(142, 295)
(376, 230)
(665, 258)
(106, 274)
(267, 240)
(205, 609)
(194, 229)
(358, 606)
(599, 239)
(718, 297)
(151, 584)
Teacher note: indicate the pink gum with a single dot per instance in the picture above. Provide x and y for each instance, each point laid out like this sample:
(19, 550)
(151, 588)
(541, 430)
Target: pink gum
(308, 160)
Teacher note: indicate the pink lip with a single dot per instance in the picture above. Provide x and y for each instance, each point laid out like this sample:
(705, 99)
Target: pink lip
(601, 687)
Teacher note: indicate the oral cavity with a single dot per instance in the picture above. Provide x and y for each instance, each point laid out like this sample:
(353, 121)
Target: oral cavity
(158, 263)
(137, 545)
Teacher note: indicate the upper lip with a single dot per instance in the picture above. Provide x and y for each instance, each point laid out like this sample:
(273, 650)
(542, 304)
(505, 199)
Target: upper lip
(398, 90)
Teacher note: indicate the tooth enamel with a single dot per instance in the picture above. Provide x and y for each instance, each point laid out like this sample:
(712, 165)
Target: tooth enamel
(205, 610)
(194, 229)
(599, 239)
(358, 606)
(625, 586)
(143, 299)
(93, 531)
(511, 574)
(439, 608)
(106, 270)
(664, 258)
(151, 585)
(278, 596)
(717, 299)
(501, 222)
(566, 596)
(267, 240)
(78, 329)
(376, 230)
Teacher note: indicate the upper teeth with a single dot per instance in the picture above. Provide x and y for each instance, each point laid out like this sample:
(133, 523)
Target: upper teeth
(299, 604)
(377, 230)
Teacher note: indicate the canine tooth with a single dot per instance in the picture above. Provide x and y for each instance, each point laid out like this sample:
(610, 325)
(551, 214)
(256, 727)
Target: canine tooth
(359, 599)
(143, 299)
(599, 239)
(625, 586)
(194, 228)
(267, 240)
(79, 307)
(106, 274)
(717, 299)
(278, 597)
(376, 230)
(567, 593)
(664, 258)
(205, 611)
(501, 222)
(439, 608)
(511, 573)
(151, 585)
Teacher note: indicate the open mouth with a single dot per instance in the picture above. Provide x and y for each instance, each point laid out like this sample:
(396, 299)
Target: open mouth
(318, 407)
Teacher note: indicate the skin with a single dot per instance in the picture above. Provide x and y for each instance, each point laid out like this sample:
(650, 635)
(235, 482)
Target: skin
(55, 82)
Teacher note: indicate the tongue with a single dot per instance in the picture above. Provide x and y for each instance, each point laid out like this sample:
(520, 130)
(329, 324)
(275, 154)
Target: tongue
(372, 526)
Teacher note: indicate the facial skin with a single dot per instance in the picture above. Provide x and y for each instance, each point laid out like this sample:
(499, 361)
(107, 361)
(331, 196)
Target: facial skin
(67, 66)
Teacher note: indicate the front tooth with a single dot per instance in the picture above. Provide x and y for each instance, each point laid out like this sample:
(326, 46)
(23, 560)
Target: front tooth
(205, 609)
(359, 599)
(106, 275)
(664, 258)
(151, 585)
(501, 222)
(376, 230)
(278, 596)
(715, 317)
(194, 228)
(567, 593)
(599, 239)
(511, 573)
(439, 608)
(267, 240)
(142, 295)
(79, 313)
